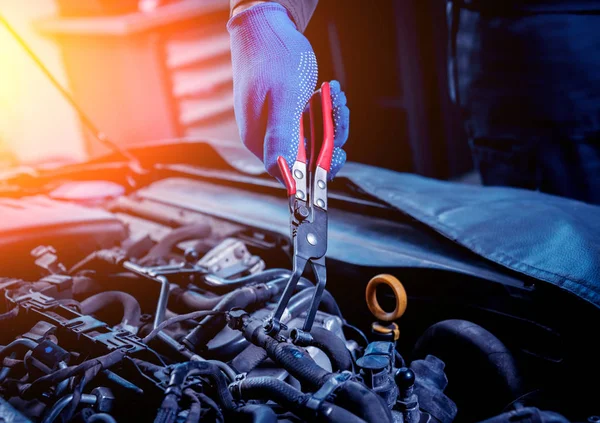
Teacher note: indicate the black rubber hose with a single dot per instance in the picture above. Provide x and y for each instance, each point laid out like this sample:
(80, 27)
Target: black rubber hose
(351, 395)
(327, 304)
(256, 414)
(211, 325)
(101, 418)
(295, 360)
(270, 388)
(11, 314)
(475, 345)
(333, 346)
(220, 285)
(299, 363)
(184, 233)
(252, 355)
(273, 389)
(15, 345)
(248, 359)
(131, 308)
(334, 414)
(184, 301)
(247, 297)
(358, 399)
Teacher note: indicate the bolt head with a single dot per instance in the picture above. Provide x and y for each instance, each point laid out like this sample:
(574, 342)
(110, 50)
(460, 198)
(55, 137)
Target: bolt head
(311, 238)
(191, 255)
(104, 399)
(302, 212)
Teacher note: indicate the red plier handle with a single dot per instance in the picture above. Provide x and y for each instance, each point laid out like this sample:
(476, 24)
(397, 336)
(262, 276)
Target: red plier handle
(295, 178)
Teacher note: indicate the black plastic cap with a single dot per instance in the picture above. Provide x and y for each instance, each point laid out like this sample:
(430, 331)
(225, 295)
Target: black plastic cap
(404, 378)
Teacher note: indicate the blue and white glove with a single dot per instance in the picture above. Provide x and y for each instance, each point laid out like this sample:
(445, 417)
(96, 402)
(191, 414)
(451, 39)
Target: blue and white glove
(274, 75)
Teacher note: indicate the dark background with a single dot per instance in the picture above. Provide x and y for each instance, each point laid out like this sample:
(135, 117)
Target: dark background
(390, 56)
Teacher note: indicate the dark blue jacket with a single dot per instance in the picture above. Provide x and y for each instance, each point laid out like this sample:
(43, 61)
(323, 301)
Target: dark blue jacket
(302, 10)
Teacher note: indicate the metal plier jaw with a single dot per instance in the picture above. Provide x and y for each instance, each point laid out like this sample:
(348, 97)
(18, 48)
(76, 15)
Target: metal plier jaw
(306, 184)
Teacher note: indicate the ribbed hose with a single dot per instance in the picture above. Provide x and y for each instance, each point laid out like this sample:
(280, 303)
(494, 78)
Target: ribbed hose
(211, 325)
(252, 355)
(263, 388)
(351, 395)
(247, 298)
(293, 359)
(131, 308)
(273, 389)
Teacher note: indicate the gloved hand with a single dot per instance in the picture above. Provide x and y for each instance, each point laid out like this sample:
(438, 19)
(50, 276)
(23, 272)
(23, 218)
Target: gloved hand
(274, 75)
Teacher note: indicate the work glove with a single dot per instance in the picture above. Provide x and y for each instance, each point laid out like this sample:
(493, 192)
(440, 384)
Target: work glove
(274, 75)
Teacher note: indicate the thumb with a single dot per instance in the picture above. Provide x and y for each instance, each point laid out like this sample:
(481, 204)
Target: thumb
(338, 160)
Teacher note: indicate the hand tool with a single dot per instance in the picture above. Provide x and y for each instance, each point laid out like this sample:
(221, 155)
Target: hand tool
(306, 184)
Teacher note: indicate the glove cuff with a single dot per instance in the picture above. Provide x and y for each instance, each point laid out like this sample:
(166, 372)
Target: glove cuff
(253, 19)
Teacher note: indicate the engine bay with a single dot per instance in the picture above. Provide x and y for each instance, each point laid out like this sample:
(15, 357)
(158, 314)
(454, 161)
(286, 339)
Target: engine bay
(152, 307)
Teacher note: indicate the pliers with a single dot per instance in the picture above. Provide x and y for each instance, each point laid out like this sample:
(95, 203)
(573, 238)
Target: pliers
(306, 184)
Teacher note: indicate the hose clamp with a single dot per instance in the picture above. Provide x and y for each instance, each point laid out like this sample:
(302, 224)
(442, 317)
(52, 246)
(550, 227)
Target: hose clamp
(235, 387)
(316, 400)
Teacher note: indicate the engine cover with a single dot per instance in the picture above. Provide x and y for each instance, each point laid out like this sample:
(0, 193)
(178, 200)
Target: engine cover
(73, 230)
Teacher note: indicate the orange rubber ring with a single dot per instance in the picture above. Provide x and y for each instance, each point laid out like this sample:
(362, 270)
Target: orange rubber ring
(399, 293)
(393, 328)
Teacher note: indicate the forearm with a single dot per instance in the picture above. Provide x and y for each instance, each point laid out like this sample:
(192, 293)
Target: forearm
(300, 10)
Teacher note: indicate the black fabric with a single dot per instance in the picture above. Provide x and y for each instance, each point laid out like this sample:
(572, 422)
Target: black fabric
(529, 91)
(300, 10)
(550, 238)
(533, 6)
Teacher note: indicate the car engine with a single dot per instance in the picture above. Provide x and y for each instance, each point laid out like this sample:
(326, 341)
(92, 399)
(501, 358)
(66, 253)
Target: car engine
(124, 309)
